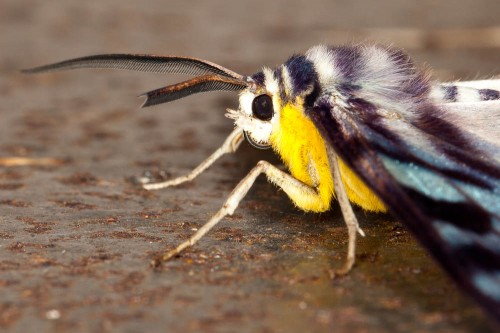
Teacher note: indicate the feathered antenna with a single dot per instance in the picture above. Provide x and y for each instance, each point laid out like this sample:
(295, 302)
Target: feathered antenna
(193, 86)
(210, 76)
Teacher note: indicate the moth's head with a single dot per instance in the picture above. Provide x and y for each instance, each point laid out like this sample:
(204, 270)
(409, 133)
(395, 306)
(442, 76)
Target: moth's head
(291, 85)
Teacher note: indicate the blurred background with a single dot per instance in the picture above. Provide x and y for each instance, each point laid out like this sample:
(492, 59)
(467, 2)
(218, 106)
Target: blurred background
(447, 35)
(76, 235)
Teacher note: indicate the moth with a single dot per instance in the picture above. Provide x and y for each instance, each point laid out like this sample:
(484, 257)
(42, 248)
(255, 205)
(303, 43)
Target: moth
(363, 125)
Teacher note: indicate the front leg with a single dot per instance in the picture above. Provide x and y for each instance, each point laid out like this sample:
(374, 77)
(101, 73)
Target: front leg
(231, 144)
(291, 186)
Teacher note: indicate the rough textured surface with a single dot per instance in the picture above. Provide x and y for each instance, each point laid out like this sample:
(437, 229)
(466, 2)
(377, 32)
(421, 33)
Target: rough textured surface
(76, 236)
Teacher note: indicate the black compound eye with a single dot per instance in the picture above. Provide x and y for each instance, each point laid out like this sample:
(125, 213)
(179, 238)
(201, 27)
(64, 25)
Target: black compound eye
(262, 107)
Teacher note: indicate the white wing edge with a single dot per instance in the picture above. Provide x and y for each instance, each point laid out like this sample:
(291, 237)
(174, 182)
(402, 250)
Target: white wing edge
(481, 119)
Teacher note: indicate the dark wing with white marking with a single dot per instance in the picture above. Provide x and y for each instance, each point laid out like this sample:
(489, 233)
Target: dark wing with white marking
(441, 181)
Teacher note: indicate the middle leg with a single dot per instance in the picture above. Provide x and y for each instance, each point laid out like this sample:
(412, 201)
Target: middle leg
(293, 187)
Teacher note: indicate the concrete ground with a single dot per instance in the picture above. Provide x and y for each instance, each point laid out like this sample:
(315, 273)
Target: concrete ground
(76, 235)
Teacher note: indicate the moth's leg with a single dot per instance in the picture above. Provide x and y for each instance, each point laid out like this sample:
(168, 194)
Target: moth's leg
(231, 144)
(291, 186)
(346, 208)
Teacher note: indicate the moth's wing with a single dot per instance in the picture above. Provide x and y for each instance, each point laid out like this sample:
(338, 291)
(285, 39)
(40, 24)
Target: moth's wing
(441, 182)
(465, 91)
(481, 119)
(493, 84)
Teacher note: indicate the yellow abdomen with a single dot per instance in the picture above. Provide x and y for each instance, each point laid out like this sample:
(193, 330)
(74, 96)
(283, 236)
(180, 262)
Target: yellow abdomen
(303, 150)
